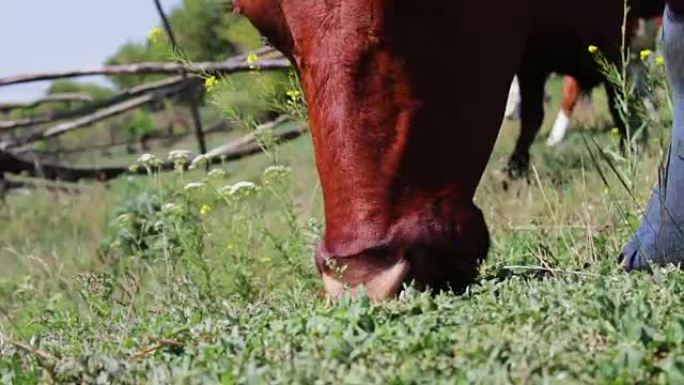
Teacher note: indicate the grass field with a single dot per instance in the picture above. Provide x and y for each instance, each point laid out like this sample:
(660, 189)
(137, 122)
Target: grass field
(161, 280)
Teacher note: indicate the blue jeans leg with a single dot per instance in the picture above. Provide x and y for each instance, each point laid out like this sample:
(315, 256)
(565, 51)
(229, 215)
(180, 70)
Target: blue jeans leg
(659, 239)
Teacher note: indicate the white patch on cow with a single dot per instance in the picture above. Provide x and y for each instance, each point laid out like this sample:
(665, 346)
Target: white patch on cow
(559, 130)
(513, 103)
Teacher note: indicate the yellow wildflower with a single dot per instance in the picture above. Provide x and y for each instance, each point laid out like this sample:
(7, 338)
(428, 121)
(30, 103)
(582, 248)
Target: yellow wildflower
(645, 54)
(252, 58)
(156, 34)
(210, 83)
(593, 49)
(205, 209)
(294, 94)
(616, 133)
(660, 60)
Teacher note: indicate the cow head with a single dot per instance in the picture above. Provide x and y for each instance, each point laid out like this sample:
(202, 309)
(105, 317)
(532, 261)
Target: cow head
(405, 100)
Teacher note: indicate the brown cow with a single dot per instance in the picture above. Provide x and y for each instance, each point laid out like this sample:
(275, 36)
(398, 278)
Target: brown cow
(645, 38)
(405, 103)
(559, 37)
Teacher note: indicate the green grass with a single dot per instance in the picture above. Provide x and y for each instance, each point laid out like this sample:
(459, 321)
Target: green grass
(107, 286)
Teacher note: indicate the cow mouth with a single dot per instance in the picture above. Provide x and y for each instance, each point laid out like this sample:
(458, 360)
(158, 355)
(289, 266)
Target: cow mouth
(438, 255)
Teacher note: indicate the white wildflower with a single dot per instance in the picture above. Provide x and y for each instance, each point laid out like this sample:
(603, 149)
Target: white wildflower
(180, 155)
(180, 158)
(124, 218)
(171, 208)
(240, 189)
(193, 186)
(148, 160)
(216, 174)
(274, 172)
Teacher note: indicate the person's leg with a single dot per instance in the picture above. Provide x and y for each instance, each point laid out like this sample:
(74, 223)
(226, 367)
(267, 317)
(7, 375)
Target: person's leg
(660, 237)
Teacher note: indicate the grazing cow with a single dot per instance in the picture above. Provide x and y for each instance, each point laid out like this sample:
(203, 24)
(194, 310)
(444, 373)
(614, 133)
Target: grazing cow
(644, 38)
(568, 57)
(405, 104)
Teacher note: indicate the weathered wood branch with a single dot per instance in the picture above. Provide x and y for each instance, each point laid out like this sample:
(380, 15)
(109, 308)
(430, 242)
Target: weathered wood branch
(9, 184)
(241, 148)
(157, 134)
(92, 107)
(55, 98)
(250, 140)
(250, 145)
(12, 164)
(99, 115)
(266, 53)
(206, 68)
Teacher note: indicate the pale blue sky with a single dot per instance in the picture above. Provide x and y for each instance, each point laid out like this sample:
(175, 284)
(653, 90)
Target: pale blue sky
(43, 35)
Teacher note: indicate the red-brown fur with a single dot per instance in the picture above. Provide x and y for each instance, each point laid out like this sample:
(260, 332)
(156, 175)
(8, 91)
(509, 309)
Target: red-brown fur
(571, 94)
(405, 102)
(385, 81)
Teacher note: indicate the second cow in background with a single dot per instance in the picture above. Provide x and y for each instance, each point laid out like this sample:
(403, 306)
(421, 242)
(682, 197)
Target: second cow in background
(537, 65)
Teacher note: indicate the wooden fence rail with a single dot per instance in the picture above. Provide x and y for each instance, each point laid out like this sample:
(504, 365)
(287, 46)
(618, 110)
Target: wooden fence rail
(18, 157)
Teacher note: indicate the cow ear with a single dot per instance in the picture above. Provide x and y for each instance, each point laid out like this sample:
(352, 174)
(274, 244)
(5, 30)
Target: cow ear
(267, 16)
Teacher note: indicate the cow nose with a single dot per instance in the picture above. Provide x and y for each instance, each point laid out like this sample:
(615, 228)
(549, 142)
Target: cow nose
(449, 266)
(441, 253)
(436, 267)
(379, 269)
(382, 284)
